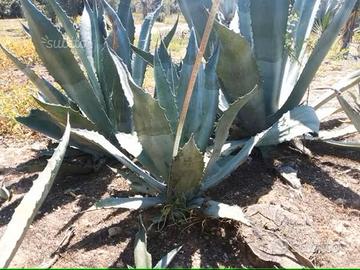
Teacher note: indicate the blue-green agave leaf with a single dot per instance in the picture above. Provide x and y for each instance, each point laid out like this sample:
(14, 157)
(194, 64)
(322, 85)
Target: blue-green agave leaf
(86, 33)
(127, 19)
(42, 122)
(196, 15)
(94, 33)
(229, 163)
(103, 143)
(61, 113)
(300, 25)
(269, 38)
(145, 159)
(127, 203)
(142, 257)
(165, 91)
(224, 125)
(118, 38)
(187, 171)
(210, 102)
(63, 66)
(118, 106)
(194, 117)
(167, 259)
(169, 36)
(153, 131)
(171, 69)
(351, 111)
(237, 61)
(220, 210)
(148, 57)
(297, 122)
(139, 65)
(245, 21)
(78, 45)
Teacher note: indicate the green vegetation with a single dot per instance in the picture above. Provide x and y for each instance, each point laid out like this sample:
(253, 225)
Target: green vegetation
(249, 90)
(261, 56)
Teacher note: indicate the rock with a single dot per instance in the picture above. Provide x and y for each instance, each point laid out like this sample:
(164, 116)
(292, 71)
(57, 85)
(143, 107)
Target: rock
(37, 147)
(339, 227)
(289, 174)
(114, 231)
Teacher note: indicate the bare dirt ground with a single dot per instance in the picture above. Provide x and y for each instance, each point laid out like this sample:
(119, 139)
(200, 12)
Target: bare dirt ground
(321, 220)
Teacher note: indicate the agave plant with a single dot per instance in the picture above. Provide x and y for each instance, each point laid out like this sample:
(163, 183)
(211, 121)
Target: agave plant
(269, 51)
(351, 109)
(91, 91)
(177, 180)
(325, 14)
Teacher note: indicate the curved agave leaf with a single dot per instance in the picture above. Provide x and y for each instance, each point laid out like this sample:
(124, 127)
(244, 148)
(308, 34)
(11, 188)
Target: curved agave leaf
(237, 61)
(300, 25)
(63, 66)
(42, 122)
(169, 36)
(61, 113)
(352, 112)
(103, 143)
(210, 101)
(118, 101)
(30, 204)
(220, 210)
(165, 89)
(47, 90)
(127, 203)
(224, 125)
(154, 131)
(186, 171)
(340, 87)
(142, 257)
(148, 57)
(295, 123)
(127, 19)
(83, 54)
(269, 38)
(353, 145)
(167, 259)
(118, 38)
(226, 165)
(139, 65)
